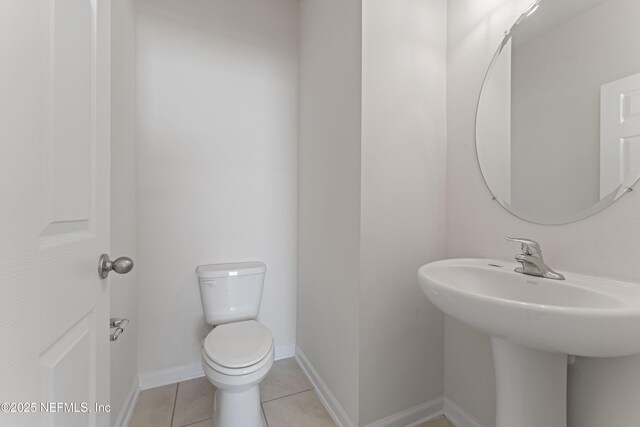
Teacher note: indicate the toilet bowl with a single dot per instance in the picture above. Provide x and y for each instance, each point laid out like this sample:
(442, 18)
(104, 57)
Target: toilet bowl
(236, 357)
(239, 352)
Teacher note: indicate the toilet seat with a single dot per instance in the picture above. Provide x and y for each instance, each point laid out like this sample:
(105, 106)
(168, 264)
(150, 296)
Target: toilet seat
(239, 372)
(238, 348)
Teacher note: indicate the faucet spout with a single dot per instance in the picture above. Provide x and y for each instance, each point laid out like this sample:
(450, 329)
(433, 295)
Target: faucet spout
(535, 266)
(532, 261)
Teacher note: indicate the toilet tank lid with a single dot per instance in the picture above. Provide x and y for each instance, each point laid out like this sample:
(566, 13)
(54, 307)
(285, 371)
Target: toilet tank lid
(233, 269)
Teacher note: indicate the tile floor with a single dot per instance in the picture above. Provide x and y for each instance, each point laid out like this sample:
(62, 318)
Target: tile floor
(288, 400)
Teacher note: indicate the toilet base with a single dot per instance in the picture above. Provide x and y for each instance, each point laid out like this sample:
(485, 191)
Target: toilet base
(233, 408)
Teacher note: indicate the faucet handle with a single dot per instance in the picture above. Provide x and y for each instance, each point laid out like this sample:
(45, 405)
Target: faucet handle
(529, 247)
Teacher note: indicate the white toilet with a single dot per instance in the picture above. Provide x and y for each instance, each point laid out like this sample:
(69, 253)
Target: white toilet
(238, 353)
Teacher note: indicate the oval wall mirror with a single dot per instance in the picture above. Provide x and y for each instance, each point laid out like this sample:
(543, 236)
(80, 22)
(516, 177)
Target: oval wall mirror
(558, 121)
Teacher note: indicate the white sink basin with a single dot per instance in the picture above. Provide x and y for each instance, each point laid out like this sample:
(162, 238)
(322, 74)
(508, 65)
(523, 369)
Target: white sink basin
(581, 315)
(534, 323)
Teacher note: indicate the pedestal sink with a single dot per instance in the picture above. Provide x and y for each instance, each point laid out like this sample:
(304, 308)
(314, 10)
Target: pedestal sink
(534, 324)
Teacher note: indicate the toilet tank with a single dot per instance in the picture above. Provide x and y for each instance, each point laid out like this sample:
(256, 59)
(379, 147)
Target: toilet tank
(231, 292)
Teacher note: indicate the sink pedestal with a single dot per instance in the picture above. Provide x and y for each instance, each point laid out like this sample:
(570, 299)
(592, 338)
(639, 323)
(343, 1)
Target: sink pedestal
(531, 386)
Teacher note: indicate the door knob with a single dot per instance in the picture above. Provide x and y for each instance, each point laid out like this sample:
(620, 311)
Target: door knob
(121, 265)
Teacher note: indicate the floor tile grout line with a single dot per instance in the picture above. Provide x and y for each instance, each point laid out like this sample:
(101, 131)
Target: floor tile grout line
(175, 401)
(288, 395)
(197, 422)
(264, 414)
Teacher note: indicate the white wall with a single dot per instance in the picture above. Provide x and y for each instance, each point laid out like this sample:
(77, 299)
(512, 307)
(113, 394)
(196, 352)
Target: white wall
(601, 392)
(329, 194)
(403, 203)
(371, 200)
(217, 90)
(124, 352)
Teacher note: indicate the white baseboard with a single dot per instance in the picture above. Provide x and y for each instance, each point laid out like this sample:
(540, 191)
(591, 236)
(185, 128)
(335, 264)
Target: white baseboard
(177, 374)
(458, 416)
(413, 417)
(335, 409)
(129, 405)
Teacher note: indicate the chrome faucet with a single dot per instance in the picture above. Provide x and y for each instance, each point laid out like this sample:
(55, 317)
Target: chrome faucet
(532, 261)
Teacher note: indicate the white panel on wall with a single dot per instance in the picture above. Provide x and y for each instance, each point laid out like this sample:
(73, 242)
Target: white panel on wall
(402, 205)
(371, 205)
(329, 195)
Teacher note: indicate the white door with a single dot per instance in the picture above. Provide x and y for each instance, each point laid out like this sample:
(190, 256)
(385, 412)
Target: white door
(619, 135)
(54, 137)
